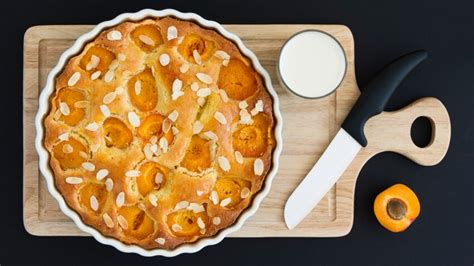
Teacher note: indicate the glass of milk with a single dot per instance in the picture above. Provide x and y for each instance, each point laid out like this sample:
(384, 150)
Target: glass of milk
(312, 64)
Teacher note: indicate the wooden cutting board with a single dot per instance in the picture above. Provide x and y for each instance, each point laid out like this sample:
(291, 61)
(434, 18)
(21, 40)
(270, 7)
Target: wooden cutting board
(309, 125)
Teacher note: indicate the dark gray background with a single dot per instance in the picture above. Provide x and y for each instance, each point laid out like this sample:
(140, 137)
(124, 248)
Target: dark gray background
(383, 30)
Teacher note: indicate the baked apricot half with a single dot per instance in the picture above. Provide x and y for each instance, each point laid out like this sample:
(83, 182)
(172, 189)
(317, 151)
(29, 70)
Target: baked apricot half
(93, 196)
(97, 58)
(229, 191)
(152, 125)
(69, 97)
(116, 133)
(186, 223)
(198, 155)
(68, 153)
(397, 207)
(142, 91)
(252, 140)
(152, 177)
(135, 222)
(237, 79)
(194, 42)
(147, 37)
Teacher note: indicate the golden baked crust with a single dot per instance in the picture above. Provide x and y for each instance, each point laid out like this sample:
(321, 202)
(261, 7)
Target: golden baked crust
(169, 142)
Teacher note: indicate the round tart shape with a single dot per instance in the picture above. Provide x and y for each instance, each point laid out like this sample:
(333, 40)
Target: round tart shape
(160, 132)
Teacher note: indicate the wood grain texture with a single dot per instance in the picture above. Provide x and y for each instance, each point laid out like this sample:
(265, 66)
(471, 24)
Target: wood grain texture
(309, 125)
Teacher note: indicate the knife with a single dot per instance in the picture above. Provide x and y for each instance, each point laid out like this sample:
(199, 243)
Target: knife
(350, 139)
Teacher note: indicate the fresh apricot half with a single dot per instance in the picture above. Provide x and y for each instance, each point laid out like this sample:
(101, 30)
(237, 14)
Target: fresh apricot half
(97, 58)
(116, 133)
(152, 125)
(147, 37)
(237, 79)
(198, 155)
(152, 177)
(93, 196)
(252, 140)
(186, 223)
(194, 42)
(396, 208)
(142, 90)
(69, 97)
(137, 223)
(70, 153)
(230, 189)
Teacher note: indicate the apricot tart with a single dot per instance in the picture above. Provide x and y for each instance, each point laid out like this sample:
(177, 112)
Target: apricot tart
(160, 132)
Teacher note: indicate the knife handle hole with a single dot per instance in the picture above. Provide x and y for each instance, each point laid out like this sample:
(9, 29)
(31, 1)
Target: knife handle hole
(422, 131)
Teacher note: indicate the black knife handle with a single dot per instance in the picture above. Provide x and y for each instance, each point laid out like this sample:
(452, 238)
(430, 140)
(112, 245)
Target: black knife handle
(376, 94)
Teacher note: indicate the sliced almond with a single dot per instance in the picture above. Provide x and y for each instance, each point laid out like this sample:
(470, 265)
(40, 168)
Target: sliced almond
(67, 148)
(224, 96)
(114, 65)
(215, 197)
(109, 97)
(197, 127)
(258, 167)
(176, 95)
(147, 151)
(74, 79)
(201, 223)
(181, 205)
(92, 126)
(204, 78)
(74, 180)
(223, 163)
(238, 157)
(243, 105)
(83, 155)
(153, 200)
(101, 174)
(132, 173)
(64, 108)
(199, 192)
(146, 40)
(105, 110)
(164, 144)
(175, 130)
(120, 200)
(94, 203)
(133, 119)
(164, 59)
(160, 240)
(225, 62)
(153, 139)
(176, 228)
(201, 101)
(88, 166)
(172, 33)
(108, 221)
(166, 125)
(114, 35)
(95, 60)
(154, 148)
(216, 220)
(194, 86)
(96, 75)
(225, 202)
(177, 85)
(195, 207)
(222, 55)
(184, 68)
(109, 76)
(159, 178)
(138, 87)
(245, 192)
(109, 184)
(204, 92)
(197, 57)
(220, 118)
(210, 135)
(122, 222)
(173, 116)
(64, 136)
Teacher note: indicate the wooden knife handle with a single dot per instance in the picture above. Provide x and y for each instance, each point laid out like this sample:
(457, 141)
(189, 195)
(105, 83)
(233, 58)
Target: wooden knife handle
(391, 131)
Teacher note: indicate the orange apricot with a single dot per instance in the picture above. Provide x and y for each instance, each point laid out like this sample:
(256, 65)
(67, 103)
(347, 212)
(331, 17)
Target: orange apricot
(97, 58)
(70, 96)
(68, 153)
(151, 126)
(186, 223)
(138, 224)
(152, 177)
(147, 37)
(396, 208)
(198, 155)
(116, 133)
(90, 190)
(237, 79)
(142, 90)
(251, 140)
(192, 42)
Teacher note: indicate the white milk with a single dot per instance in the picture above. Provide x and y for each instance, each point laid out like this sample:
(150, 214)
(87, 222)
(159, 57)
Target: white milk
(312, 64)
